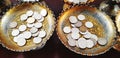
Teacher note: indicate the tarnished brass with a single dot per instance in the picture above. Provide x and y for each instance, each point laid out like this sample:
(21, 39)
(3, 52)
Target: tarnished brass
(103, 27)
(14, 15)
(117, 21)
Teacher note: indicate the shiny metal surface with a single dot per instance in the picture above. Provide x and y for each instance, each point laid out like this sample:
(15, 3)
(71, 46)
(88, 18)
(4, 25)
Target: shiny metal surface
(54, 48)
(104, 27)
(14, 15)
(88, 1)
(117, 21)
(118, 1)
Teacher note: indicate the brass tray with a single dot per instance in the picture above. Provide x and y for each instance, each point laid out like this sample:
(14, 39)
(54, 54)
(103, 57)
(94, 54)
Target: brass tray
(104, 28)
(13, 14)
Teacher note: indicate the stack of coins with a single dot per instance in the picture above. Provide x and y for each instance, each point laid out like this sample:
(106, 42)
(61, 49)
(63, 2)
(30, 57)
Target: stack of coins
(78, 1)
(31, 28)
(79, 35)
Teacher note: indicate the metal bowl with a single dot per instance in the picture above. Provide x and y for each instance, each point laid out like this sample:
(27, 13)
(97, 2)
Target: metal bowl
(14, 14)
(104, 28)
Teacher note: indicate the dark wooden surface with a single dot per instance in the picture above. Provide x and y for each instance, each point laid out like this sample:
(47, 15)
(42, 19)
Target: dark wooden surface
(54, 48)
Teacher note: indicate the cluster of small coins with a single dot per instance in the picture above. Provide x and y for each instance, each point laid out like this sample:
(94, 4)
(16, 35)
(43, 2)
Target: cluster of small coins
(77, 1)
(32, 28)
(78, 34)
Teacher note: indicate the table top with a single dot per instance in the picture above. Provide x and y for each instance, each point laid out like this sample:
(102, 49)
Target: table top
(54, 48)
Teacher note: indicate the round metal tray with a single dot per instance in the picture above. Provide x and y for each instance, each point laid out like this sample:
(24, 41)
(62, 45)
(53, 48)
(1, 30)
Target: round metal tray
(14, 14)
(104, 28)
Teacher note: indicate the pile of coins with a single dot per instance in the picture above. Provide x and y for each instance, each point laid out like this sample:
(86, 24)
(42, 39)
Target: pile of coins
(79, 35)
(77, 1)
(31, 27)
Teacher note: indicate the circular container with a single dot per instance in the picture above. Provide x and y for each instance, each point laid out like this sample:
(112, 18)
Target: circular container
(104, 29)
(13, 14)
